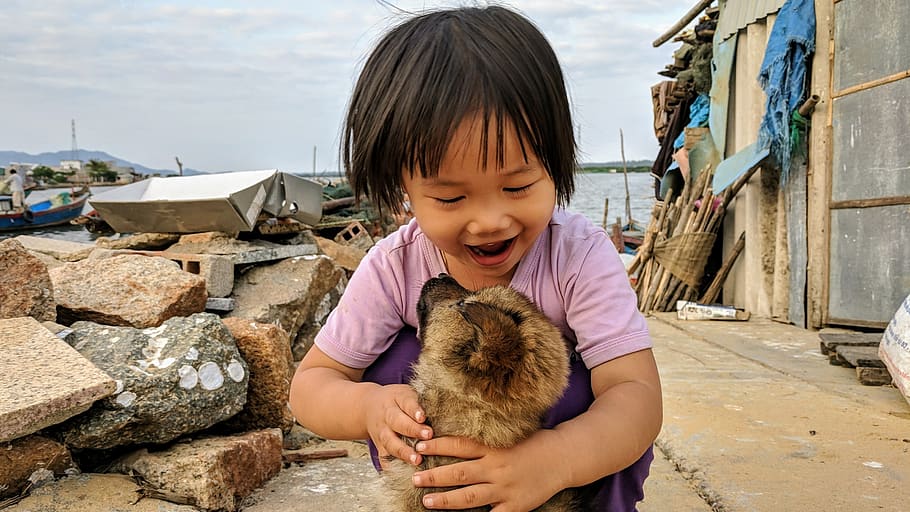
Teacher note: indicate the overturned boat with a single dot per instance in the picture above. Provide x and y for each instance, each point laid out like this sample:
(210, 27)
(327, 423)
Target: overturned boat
(230, 202)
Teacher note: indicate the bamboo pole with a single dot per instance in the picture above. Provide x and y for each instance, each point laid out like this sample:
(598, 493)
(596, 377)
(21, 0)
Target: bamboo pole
(681, 24)
(625, 174)
(717, 284)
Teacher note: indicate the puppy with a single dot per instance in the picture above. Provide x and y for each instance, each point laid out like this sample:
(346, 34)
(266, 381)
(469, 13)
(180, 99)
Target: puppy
(490, 367)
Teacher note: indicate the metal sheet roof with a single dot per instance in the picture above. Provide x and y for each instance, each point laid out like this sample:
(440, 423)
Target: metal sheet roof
(736, 14)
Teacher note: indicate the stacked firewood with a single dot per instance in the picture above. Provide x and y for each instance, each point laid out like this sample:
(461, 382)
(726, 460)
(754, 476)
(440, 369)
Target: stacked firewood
(672, 259)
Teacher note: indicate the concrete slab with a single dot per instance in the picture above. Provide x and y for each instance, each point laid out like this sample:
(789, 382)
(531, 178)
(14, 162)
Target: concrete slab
(273, 253)
(59, 249)
(757, 420)
(43, 380)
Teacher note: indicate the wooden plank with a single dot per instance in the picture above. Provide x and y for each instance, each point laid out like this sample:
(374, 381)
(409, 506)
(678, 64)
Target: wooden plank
(830, 340)
(860, 356)
(306, 455)
(819, 169)
(873, 376)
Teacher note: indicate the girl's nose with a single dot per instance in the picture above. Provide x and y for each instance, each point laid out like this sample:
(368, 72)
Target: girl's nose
(488, 219)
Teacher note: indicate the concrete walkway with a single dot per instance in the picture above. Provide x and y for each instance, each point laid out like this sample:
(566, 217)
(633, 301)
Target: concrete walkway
(755, 419)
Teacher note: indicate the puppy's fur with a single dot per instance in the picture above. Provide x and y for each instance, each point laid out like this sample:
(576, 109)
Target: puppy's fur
(491, 366)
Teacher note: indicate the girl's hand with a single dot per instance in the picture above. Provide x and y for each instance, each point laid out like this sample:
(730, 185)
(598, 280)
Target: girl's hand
(516, 479)
(392, 411)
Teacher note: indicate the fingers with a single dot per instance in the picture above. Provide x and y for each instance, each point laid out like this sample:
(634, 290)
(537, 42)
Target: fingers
(459, 499)
(406, 399)
(397, 413)
(460, 447)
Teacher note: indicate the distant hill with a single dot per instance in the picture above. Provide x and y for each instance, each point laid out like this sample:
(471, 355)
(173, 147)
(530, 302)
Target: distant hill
(54, 158)
(618, 164)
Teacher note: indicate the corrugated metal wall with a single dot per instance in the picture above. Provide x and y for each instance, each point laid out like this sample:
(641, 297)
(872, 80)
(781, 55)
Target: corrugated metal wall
(737, 14)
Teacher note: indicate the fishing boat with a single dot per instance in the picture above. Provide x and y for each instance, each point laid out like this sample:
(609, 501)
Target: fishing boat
(60, 208)
(229, 202)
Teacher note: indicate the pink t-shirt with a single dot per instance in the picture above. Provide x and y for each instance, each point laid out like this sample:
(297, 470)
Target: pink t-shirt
(572, 273)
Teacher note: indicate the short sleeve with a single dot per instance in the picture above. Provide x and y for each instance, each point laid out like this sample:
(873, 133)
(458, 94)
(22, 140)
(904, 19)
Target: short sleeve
(601, 307)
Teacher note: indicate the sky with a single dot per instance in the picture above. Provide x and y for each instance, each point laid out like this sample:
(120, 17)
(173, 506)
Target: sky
(239, 85)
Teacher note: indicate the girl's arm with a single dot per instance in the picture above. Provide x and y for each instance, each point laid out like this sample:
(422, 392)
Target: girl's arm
(619, 426)
(329, 399)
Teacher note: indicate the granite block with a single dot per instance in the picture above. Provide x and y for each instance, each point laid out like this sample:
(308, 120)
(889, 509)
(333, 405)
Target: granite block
(43, 381)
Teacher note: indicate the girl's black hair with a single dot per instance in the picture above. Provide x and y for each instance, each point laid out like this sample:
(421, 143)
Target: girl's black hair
(429, 73)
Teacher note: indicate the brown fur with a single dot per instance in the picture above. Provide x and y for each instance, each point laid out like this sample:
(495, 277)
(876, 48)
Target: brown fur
(491, 366)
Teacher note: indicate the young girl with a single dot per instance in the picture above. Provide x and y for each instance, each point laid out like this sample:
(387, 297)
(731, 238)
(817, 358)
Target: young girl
(466, 111)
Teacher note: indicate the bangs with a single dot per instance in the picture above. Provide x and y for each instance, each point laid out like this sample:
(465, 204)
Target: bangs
(433, 72)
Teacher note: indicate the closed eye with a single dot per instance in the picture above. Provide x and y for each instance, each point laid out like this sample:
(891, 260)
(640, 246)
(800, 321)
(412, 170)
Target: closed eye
(448, 200)
(518, 190)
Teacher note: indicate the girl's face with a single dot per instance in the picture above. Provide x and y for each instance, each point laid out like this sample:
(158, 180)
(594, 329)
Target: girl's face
(484, 219)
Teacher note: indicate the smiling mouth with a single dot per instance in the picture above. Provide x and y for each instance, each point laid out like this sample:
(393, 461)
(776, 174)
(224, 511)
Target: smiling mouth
(491, 249)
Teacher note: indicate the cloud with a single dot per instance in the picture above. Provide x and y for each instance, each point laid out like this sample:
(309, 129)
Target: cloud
(231, 85)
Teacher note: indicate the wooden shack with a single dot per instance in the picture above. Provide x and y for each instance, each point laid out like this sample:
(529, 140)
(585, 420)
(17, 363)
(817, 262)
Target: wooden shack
(831, 244)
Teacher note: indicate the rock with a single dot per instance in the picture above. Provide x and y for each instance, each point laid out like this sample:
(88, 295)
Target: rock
(25, 285)
(214, 473)
(94, 493)
(49, 261)
(208, 237)
(219, 304)
(218, 271)
(267, 350)
(127, 290)
(58, 249)
(43, 380)
(176, 379)
(240, 251)
(22, 457)
(346, 256)
(305, 237)
(296, 293)
(300, 437)
(139, 241)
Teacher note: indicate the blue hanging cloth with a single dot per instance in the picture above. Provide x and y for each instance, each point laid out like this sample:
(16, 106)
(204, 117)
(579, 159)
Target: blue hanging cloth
(783, 77)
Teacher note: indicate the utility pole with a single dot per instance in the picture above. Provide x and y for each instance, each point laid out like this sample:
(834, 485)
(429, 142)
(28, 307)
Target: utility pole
(314, 161)
(74, 151)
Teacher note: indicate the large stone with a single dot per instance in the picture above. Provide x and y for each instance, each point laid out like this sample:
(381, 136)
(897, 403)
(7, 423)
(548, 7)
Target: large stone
(176, 379)
(25, 285)
(267, 350)
(218, 271)
(43, 381)
(94, 493)
(22, 457)
(214, 473)
(60, 249)
(139, 241)
(127, 290)
(346, 256)
(297, 294)
(240, 252)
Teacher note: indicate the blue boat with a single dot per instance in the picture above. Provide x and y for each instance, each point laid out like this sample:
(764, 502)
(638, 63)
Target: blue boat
(59, 209)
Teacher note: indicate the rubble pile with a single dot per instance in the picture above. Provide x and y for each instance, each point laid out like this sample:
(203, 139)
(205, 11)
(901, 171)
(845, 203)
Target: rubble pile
(157, 366)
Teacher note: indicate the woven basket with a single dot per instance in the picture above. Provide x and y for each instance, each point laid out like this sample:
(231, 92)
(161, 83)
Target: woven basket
(685, 255)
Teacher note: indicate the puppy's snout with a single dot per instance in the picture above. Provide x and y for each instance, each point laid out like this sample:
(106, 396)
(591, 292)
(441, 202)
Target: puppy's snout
(441, 288)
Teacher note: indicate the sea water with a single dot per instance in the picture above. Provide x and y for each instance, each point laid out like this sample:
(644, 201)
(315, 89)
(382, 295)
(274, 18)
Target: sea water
(593, 191)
